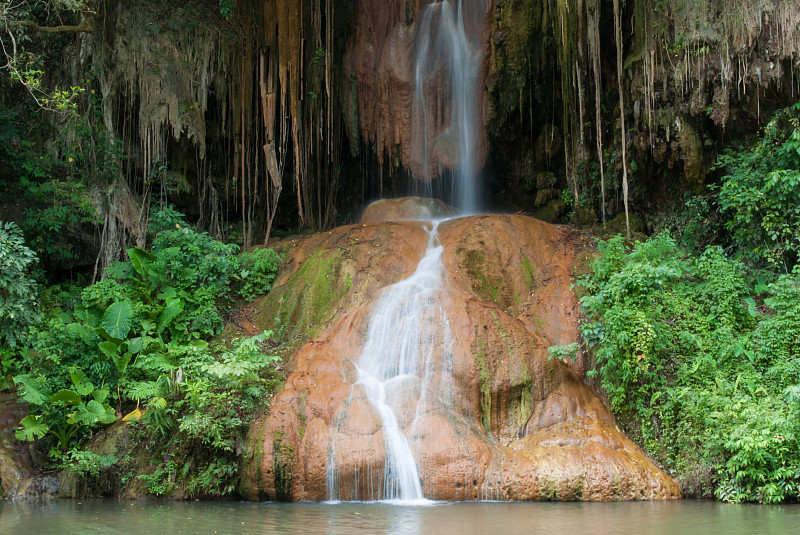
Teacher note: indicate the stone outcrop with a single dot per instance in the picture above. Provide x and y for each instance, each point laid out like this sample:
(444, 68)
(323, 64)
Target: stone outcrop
(18, 477)
(519, 425)
(406, 208)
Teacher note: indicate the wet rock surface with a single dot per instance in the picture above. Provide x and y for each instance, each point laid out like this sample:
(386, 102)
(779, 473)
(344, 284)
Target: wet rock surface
(519, 425)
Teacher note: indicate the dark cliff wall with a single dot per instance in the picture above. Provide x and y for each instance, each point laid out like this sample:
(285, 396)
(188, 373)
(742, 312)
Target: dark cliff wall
(293, 113)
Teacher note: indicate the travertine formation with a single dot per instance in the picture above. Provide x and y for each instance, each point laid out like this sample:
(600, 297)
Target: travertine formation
(520, 426)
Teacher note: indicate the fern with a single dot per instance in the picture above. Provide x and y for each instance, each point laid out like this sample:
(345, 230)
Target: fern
(141, 390)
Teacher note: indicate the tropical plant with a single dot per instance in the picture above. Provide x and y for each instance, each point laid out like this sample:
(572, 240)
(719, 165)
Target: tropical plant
(258, 270)
(140, 334)
(63, 413)
(759, 194)
(19, 307)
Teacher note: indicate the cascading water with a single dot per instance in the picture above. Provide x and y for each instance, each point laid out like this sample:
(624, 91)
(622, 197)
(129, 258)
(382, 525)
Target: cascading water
(405, 370)
(449, 53)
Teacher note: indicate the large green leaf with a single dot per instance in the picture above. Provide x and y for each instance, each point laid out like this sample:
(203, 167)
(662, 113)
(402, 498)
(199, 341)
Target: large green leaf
(122, 361)
(100, 394)
(109, 349)
(80, 330)
(135, 345)
(168, 314)
(140, 260)
(77, 376)
(117, 319)
(31, 427)
(67, 397)
(84, 389)
(32, 391)
(83, 385)
(100, 412)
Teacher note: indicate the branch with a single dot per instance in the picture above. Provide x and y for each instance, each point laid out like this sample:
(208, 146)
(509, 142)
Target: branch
(86, 25)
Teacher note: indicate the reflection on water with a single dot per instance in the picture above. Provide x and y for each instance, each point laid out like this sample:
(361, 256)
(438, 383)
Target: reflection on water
(652, 518)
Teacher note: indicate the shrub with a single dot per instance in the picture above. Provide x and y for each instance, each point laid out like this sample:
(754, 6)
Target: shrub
(138, 337)
(705, 378)
(19, 307)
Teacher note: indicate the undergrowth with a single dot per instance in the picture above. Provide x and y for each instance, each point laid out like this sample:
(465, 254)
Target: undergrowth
(138, 344)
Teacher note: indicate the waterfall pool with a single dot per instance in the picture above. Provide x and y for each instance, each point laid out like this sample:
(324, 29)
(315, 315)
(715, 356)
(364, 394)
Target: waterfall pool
(687, 517)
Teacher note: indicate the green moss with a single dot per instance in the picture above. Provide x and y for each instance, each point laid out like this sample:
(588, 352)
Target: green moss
(486, 286)
(521, 402)
(318, 270)
(253, 456)
(528, 276)
(507, 340)
(484, 379)
(282, 466)
(549, 491)
(308, 300)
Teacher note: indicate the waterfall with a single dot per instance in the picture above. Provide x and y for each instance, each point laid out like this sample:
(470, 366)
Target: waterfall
(405, 369)
(449, 54)
(405, 364)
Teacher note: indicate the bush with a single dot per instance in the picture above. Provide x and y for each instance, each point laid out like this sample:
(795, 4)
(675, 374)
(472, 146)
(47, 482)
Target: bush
(19, 308)
(703, 376)
(259, 268)
(138, 338)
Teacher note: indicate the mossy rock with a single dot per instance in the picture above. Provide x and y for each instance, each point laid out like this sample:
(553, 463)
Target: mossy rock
(116, 441)
(11, 474)
(302, 306)
(506, 385)
(326, 274)
(618, 226)
(552, 212)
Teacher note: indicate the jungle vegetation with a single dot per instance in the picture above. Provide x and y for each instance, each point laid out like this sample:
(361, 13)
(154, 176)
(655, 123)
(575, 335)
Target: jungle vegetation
(130, 212)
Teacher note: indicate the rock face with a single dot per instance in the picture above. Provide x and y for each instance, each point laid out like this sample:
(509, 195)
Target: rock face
(14, 467)
(518, 426)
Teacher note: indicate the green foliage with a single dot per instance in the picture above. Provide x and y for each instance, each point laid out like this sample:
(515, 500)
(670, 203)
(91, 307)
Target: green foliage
(165, 218)
(564, 353)
(161, 482)
(207, 409)
(140, 334)
(759, 195)
(698, 370)
(258, 270)
(754, 210)
(226, 8)
(87, 463)
(117, 319)
(222, 390)
(63, 413)
(55, 184)
(18, 291)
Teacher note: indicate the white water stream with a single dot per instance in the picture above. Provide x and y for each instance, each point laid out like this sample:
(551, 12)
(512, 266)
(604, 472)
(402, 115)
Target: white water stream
(448, 48)
(405, 367)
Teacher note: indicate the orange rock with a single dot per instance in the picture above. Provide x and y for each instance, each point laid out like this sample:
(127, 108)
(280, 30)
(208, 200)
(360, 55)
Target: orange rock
(506, 422)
